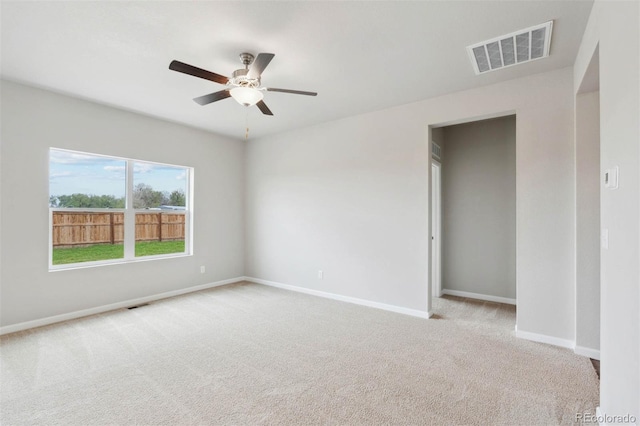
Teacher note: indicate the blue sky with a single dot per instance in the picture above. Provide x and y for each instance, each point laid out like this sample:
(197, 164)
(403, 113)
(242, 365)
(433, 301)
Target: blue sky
(74, 172)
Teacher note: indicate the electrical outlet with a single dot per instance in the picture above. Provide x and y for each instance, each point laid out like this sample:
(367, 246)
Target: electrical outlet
(320, 275)
(202, 269)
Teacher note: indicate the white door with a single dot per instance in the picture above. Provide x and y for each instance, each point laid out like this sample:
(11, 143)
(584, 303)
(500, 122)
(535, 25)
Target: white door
(436, 246)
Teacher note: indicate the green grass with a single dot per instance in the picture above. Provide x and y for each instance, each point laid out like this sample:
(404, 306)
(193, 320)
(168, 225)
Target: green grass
(152, 248)
(63, 256)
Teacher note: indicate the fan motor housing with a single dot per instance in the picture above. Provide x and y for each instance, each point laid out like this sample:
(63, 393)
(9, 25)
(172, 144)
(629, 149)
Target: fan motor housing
(239, 78)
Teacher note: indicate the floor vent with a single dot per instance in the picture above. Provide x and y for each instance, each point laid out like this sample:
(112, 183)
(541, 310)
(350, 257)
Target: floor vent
(138, 306)
(511, 49)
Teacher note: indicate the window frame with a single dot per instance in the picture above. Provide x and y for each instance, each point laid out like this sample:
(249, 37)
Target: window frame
(129, 216)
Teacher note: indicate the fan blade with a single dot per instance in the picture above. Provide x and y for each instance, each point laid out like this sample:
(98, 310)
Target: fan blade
(295, 92)
(263, 107)
(259, 64)
(197, 72)
(212, 97)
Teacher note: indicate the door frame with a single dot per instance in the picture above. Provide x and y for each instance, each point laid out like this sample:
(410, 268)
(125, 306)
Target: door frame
(436, 228)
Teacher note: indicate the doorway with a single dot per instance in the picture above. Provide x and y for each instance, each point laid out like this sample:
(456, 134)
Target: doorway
(474, 211)
(588, 222)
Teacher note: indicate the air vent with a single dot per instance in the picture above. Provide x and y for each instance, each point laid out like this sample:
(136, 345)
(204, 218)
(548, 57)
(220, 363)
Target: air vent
(511, 49)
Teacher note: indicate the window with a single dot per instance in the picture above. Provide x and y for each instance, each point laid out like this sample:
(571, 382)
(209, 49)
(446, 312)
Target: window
(107, 209)
(160, 213)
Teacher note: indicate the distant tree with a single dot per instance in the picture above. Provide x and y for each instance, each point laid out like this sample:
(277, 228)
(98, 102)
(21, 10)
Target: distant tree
(144, 197)
(110, 201)
(86, 201)
(177, 198)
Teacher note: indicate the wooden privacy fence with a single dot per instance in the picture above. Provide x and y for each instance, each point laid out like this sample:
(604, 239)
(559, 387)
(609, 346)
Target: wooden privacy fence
(74, 229)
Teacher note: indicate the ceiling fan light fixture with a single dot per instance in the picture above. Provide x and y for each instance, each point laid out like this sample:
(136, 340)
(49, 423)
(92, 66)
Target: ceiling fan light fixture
(246, 96)
(243, 86)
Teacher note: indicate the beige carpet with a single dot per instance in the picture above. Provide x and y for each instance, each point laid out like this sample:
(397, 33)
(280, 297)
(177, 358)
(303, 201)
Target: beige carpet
(249, 354)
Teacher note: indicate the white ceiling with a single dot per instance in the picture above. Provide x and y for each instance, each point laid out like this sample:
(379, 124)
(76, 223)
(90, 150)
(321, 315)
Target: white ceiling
(359, 56)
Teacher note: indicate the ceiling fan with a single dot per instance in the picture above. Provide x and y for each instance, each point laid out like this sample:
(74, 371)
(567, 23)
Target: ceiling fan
(244, 84)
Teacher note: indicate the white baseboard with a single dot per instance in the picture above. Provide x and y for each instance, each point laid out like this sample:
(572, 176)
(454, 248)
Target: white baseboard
(479, 296)
(564, 343)
(543, 338)
(348, 299)
(105, 308)
(556, 341)
(588, 352)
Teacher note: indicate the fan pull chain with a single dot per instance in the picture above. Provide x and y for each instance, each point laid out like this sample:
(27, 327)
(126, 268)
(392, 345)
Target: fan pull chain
(246, 134)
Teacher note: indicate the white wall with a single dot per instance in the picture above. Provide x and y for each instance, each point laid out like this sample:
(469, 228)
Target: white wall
(614, 28)
(479, 208)
(336, 198)
(588, 223)
(34, 120)
(351, 197)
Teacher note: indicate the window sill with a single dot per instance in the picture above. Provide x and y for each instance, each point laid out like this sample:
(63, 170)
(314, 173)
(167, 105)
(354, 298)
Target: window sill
(85, 265)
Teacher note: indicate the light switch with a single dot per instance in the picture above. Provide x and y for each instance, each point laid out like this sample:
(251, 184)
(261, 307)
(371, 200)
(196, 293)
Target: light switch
(611, 178)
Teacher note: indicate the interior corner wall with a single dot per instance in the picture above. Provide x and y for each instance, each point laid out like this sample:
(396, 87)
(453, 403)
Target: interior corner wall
(351, 197)
(34, 120)
(479, 208)
(614, 28)
(588, 222)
